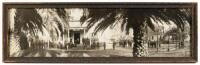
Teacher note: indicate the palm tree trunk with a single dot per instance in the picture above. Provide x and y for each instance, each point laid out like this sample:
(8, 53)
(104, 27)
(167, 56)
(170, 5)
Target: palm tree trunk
(63, 37)
(138, 47)
(23, 41)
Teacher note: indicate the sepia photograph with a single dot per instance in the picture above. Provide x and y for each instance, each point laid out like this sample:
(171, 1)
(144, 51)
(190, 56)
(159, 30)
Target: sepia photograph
(86, 31)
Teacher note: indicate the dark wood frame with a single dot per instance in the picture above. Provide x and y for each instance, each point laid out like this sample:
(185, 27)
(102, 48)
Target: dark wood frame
(7, 59)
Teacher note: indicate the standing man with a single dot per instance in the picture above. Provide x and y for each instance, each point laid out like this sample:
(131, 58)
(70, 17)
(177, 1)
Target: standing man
(104, 45)
(114, 45)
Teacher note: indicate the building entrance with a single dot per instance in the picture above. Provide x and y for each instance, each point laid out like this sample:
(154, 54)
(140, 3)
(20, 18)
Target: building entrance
(77, 38)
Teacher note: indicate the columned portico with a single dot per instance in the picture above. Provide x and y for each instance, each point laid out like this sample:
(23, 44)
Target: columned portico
(76, 33)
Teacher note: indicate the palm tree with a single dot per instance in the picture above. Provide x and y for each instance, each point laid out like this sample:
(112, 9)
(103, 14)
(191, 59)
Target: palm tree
(177, 35)
(29, 21)
(134, 18)
(56, 21)
(64, 16)
(26, 21)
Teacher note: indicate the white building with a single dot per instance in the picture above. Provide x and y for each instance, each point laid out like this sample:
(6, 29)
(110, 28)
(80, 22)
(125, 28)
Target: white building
(76, 32)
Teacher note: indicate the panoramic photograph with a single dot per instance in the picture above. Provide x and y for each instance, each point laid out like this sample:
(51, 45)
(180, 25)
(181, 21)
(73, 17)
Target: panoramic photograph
(99, 32)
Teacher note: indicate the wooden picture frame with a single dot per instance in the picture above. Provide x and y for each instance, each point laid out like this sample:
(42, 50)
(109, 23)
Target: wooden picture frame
(193, 41)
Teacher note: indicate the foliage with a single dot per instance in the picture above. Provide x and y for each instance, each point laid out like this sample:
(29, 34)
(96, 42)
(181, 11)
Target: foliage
(27, 20)
(30, 23)
(135, 18)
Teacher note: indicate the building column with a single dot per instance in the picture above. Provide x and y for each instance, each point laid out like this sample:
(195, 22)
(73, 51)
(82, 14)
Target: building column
(90, 39)
(81, 38)
(73, 37)
(68, 37)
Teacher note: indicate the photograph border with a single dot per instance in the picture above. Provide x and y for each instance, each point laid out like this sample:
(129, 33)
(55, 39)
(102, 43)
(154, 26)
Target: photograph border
(193, 48)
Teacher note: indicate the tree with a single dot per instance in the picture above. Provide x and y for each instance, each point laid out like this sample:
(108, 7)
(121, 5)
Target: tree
(177, 35)
(26, 21)
(56, 21)
(29, 21)
(134, 18)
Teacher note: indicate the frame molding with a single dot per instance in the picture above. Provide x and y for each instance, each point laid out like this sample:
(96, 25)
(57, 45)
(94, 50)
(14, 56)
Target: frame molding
(7, 59)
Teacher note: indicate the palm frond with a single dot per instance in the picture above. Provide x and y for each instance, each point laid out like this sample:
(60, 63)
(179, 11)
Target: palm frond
(135, 17)
(27, 19)
(107, 18)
